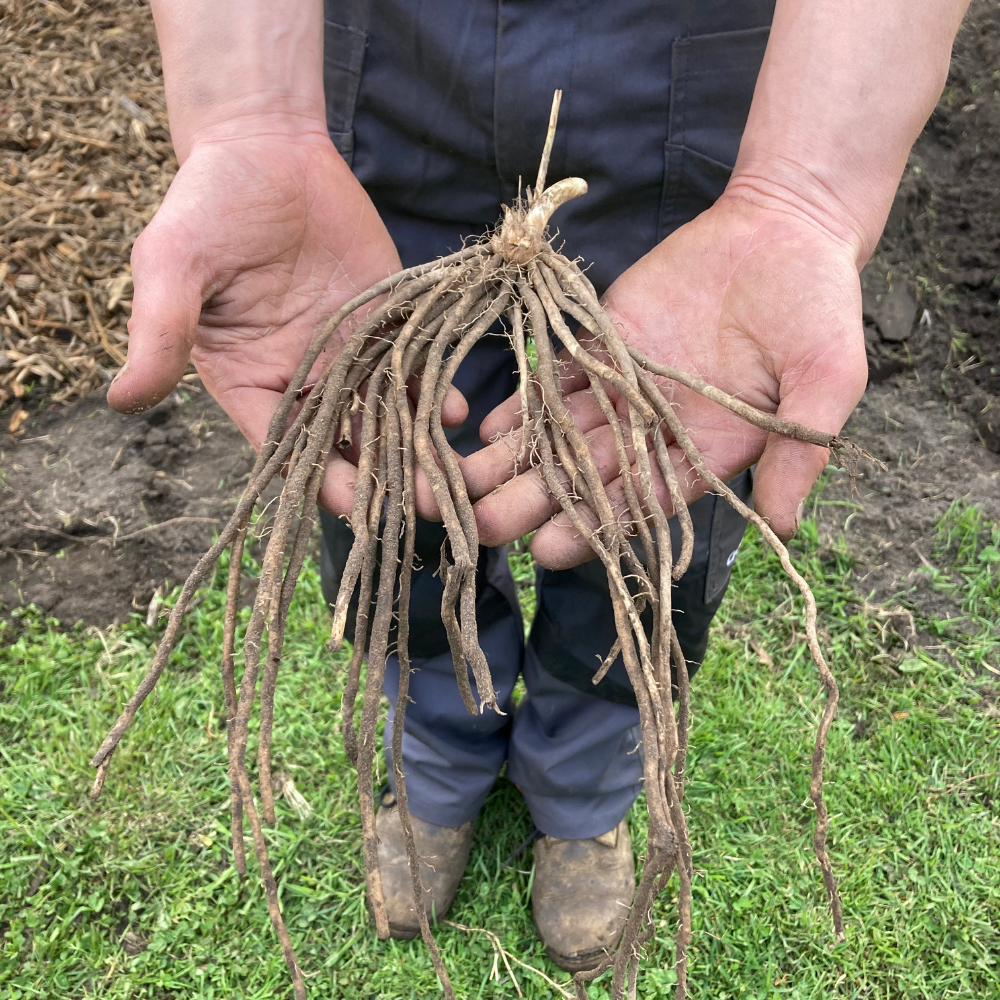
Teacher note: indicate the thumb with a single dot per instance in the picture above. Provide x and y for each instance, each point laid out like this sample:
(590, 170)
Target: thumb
(166, 305)
(785, 475)
(788, 469)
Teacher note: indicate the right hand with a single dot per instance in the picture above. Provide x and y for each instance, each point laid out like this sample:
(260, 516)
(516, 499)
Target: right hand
(258, 241)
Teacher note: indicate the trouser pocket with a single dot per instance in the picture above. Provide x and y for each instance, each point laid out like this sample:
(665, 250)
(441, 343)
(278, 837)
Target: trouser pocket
(343, 56)
(712, 84)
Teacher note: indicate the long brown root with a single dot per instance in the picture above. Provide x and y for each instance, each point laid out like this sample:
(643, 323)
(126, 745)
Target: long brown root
(424, 321)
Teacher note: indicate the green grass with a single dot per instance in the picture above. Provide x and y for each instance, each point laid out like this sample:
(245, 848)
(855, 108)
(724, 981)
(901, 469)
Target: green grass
(522, 568)
(916, 851)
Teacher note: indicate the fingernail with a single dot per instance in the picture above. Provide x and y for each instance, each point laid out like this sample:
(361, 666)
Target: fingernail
(121, 371)
(798, 513)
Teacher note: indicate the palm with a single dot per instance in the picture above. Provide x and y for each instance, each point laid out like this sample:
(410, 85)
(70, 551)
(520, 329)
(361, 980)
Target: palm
(759, 303)
(268, 238)
(762, 306)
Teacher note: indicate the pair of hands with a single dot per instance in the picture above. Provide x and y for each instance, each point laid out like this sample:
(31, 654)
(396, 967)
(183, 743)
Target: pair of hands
(258, 241)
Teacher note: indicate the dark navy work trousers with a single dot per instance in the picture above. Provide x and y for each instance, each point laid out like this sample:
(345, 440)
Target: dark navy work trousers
(441, 108)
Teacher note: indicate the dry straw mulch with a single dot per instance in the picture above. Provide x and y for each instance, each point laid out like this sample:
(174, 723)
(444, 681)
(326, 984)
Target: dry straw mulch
(85, 159)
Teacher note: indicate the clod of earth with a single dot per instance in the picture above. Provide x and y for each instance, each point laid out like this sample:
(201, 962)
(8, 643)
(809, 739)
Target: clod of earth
(418, 316)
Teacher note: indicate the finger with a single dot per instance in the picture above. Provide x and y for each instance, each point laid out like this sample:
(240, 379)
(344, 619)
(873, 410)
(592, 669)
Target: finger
(507, 416)
(558, 544)
(524, 503)
(501, 419)
(251, 409)
(166, 305)
(823, 399)
(494, 465)
(427, 505)
(336, 495)
(497, 463)
(454, 409)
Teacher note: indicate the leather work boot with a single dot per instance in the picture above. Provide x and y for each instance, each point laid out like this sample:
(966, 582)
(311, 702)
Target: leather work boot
(444, 853)
(581, 895)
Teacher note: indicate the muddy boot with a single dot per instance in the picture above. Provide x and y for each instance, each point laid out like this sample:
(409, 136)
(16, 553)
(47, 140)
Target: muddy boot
(581, 895)
(444, 853)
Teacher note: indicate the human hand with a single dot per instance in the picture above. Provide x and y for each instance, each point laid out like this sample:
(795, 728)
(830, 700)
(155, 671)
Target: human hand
(258, 241)
(764, 304)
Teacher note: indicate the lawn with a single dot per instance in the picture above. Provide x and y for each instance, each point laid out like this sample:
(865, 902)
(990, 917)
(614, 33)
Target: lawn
(133, 896)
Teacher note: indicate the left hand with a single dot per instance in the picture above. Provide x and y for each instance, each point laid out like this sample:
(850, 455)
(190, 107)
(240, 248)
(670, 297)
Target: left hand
(761, 302)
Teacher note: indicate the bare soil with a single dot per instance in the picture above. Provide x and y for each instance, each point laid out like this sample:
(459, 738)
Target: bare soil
(98, 510)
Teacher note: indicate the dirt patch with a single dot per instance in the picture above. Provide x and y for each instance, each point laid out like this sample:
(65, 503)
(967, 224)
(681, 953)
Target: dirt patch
(98, 510)
(934, 457)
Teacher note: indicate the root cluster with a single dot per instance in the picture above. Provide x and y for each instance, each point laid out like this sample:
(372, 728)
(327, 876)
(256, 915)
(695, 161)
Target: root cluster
(424, 321)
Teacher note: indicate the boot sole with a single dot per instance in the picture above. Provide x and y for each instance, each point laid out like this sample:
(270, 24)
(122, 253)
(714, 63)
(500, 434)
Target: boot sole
(403, 933)
(577, 963)
(396, 933)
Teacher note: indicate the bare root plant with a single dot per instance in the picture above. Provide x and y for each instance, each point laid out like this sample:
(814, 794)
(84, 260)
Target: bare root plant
(425, 320)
